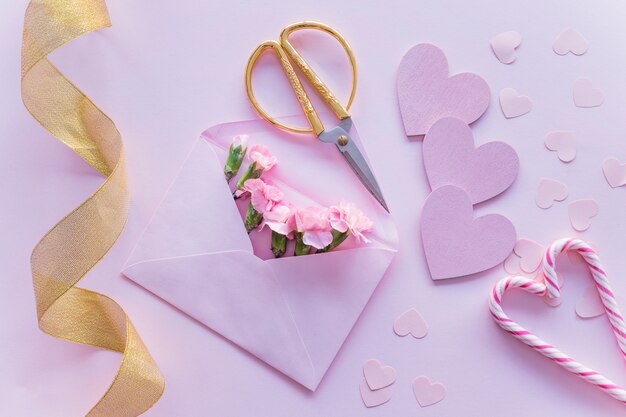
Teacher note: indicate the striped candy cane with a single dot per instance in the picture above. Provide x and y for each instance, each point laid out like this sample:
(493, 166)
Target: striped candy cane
(550, 287)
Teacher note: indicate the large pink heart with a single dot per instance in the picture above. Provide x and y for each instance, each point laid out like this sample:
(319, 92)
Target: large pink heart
(455, 243)
(426, 93)
(450, 158)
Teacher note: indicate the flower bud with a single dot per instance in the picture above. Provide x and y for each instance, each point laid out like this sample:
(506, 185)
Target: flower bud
(253, 218)
(301, 247)
(279, 244)
(236, 153)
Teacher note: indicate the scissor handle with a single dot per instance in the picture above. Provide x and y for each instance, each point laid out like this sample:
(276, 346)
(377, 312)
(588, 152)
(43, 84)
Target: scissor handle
(303, 98)
(285, 49)
(322, 89)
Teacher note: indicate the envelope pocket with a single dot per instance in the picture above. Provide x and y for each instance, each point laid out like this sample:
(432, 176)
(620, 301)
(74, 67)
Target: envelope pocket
(294, 312)
(237, 295)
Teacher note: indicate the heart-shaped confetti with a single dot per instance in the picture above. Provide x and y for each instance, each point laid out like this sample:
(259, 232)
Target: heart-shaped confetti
(504, 45)
(428, 393)
(530, 253)
(410, 322)
(570, 40)
(457, 244)
(512, 264)
(426, 93)
(513, 104)
(614, 172)
(451, 158)
(590, 304)
(585, 95)
(563, 143)
(550, 191)
(377, 375)
(581, 212)
(550, 287)
(374, 398)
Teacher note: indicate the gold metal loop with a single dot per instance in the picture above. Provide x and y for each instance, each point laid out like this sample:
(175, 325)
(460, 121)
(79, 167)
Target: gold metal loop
(284, 50)
(303, 98)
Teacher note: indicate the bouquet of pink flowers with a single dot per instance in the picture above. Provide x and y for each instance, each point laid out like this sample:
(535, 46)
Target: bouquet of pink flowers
(322, 229)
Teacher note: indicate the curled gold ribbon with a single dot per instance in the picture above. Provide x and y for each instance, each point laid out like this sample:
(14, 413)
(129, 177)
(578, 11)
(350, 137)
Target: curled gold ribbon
(78, 242)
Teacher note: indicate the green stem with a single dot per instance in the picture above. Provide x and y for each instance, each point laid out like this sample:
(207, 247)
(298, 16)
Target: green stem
(234, 160)
(253, 218)
(249, 174)
(279, 244)
(301, 247)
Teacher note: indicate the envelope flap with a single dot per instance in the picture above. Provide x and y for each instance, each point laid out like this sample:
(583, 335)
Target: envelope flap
(327, 293)
(197, 214)
(237, 295)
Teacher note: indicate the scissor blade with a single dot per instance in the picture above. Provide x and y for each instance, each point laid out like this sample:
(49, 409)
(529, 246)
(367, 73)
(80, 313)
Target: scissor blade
(359, 165)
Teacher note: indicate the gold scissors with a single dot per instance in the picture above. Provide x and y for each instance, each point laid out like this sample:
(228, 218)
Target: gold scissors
(338, 135)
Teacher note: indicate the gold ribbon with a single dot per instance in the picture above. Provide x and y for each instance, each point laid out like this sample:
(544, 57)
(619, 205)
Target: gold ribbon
(78, 242)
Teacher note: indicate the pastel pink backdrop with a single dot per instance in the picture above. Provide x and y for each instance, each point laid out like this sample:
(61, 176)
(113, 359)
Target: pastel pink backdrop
(168, 70)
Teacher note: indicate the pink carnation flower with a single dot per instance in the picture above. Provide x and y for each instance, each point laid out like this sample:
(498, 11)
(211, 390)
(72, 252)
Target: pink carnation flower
(263, 196)
(240, 140)
(262, 157)
(347, 216)
(281, 219)
(314, 224)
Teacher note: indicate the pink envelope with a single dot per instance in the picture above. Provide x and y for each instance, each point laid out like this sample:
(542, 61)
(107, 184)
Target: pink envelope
(294, 312)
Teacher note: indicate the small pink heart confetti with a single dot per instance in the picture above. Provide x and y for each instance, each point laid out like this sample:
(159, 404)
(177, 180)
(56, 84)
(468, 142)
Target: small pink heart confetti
(550, 191)
(590, 305)
(513, 104)
(581, 212)
(374, 398)
(530, 253)
(563, 143)
(377, 375)
(585, 95)
(570, 40)
(512, 264)
(504, 45)
(411, 322)
(428, 393)
(614, 172)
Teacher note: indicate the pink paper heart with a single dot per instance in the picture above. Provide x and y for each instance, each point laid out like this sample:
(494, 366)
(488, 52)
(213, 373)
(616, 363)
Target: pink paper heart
(614, 172)
(514, 104)
(550, 191)
(530, 253)
(504, 45)
(411, 322)
(374, 398)
(570, 40)
(450, 158)
(377, 375)
(456, 244)
(428, 393)
(563, 143)
(585, 95)
(590, 304)
(426, 93)
(581, 212)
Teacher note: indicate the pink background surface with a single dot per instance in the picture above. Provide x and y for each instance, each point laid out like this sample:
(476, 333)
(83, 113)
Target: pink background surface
(168, 70)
